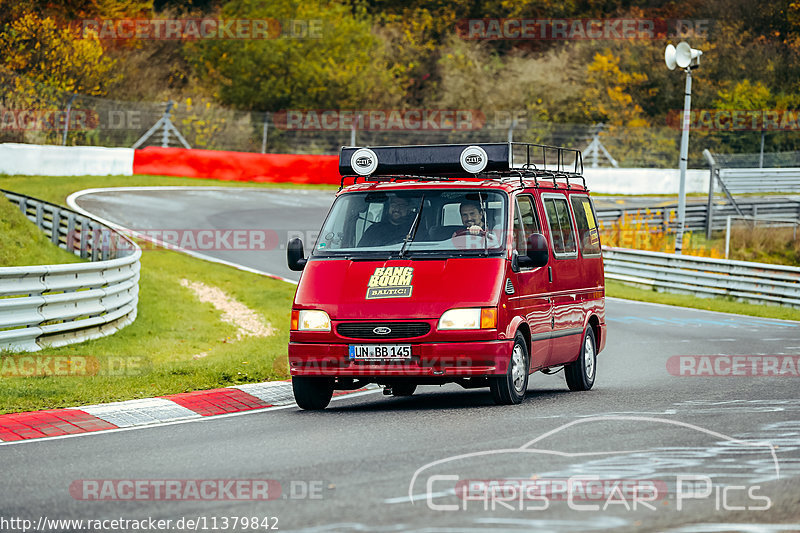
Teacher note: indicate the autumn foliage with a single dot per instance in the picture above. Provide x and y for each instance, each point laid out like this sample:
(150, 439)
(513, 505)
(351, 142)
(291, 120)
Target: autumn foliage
(411, 55)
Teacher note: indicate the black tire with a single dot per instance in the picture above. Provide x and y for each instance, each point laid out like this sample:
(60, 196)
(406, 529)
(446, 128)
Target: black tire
(510, 388)
(312, 393)
(580, 373)
(403, 388)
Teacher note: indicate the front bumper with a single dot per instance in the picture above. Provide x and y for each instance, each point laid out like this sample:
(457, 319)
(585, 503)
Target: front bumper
(438, 360)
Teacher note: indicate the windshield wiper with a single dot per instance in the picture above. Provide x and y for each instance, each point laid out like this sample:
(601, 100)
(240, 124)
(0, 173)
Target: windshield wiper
(414, 226)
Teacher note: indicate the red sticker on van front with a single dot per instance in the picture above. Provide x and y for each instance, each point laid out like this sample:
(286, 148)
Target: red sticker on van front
(390, 282)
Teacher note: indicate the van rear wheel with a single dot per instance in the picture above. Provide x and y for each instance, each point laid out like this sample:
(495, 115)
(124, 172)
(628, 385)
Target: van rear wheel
(581, 372)
(312, 393)
(510, 389)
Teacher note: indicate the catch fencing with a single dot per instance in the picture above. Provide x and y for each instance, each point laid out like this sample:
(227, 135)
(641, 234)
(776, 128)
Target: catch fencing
(54, 305)
(57, 117)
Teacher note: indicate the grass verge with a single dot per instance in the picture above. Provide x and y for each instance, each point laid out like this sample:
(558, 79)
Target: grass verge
(155, 355)
(618, 289)
(22, 243)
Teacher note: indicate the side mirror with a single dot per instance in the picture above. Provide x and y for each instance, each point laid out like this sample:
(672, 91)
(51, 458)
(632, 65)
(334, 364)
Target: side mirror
(515, 260)
(294, 255)
(538, 254)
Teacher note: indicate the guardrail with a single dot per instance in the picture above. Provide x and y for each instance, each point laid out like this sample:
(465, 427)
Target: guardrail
(54, 305)
(759, 180)
(703, 276)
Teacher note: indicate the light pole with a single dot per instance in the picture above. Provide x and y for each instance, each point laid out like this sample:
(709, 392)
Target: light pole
(687, 58)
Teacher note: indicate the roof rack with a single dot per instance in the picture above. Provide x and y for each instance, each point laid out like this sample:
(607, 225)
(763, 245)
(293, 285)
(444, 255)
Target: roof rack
(448, 162)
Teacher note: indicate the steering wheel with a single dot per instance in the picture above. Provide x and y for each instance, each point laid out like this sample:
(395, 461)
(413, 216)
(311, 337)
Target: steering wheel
(467, 232)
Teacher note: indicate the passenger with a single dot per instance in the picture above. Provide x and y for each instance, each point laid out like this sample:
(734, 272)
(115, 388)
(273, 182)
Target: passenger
(393, 228)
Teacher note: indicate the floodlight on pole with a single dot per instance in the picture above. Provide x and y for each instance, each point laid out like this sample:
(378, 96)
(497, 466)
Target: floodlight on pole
(687, 58)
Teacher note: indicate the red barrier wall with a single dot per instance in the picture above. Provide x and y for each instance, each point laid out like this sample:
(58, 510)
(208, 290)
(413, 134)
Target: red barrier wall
(236, 166)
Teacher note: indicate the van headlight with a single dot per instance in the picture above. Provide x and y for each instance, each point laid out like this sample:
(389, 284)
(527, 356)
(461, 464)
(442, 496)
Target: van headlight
(310, 320)
(471, 318)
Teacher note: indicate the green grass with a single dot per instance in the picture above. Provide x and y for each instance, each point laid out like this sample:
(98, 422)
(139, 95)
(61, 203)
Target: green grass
(172, 326)
(618, 289)
(22, 243)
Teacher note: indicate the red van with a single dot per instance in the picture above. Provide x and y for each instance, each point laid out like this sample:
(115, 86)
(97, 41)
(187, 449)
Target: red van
(473, 264)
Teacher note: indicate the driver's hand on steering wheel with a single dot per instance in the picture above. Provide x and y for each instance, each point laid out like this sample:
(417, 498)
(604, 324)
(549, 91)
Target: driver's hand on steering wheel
(475, 230)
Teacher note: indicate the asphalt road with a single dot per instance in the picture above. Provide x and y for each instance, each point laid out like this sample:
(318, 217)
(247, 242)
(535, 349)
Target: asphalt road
(721, 453)
(265, 220)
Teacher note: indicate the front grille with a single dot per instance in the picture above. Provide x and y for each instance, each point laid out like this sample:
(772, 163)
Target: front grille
(399, 330)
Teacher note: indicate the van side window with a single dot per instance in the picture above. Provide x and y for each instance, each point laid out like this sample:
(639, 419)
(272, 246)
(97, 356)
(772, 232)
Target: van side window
(525, 223)
(560, 226)
(588, 234)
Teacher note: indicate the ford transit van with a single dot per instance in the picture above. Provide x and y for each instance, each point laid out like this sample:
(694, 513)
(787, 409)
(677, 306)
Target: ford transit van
(473, 264)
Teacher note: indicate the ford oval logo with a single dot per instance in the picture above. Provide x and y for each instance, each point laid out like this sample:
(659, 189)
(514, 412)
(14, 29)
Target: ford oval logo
(382, 330)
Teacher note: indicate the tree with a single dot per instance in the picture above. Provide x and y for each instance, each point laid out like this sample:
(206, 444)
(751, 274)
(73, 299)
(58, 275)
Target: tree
(46, 57)
(338, 64)
(609, 98)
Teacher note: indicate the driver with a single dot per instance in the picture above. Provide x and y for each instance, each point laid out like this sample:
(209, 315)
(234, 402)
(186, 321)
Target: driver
(472, 218)
(474, 223)
(394, 226)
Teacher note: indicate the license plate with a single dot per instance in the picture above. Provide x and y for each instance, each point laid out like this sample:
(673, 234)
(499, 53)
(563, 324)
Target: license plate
(380, 351)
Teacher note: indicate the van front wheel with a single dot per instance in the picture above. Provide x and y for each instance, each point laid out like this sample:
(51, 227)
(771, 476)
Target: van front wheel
(581, 372)
(312, 393)
(510, 389)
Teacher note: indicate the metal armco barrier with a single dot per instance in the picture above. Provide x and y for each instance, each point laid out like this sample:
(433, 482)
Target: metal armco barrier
(702, 276)
(759, 180)
(54, 305)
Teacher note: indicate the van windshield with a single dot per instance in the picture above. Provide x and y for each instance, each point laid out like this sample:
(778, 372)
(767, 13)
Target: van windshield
(439, 222)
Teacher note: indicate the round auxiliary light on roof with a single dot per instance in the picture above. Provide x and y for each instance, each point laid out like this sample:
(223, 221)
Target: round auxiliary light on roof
(364, 161)
(474, 159)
